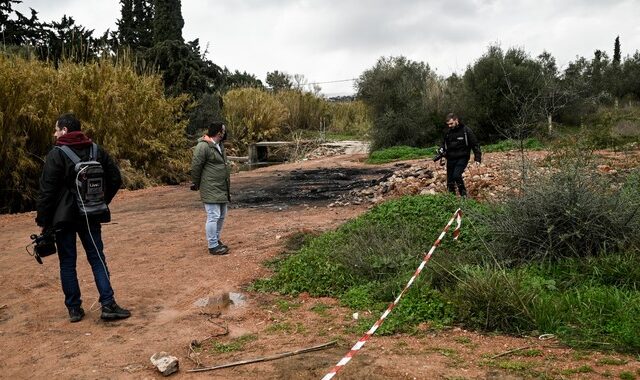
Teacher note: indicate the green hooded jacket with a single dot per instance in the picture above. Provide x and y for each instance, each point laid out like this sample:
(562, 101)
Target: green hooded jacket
(211, 172)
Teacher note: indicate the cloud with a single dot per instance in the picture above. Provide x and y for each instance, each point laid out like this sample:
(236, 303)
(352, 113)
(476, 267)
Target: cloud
(339, 39)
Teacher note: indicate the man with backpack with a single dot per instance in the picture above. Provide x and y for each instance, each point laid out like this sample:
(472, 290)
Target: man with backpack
(78, 181)
(458, 143)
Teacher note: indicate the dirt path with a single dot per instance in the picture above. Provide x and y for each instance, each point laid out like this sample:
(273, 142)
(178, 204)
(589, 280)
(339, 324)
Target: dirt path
(161, 270)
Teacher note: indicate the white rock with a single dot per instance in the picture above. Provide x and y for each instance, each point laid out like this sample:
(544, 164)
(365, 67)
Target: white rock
(165, 363)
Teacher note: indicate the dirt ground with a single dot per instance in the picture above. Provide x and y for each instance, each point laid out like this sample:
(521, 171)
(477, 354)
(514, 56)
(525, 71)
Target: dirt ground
(180, 295)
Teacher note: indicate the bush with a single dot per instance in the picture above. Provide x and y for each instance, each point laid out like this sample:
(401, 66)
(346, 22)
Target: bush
(586, 302)
(493, 300)
(367, 261)
(350, 119)
(305, 111)
(126, 113)
(573, 213)
(507, 145)
(253, 115)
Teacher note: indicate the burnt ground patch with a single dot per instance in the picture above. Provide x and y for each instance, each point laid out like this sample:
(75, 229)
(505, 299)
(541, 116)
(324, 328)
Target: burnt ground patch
(313, 187)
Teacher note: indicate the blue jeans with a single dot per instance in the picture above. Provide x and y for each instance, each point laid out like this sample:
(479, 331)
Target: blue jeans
(67, 254)
(455, 168)
(216, 213)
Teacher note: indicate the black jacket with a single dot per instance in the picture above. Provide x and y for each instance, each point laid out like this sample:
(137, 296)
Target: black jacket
(56, 204)
(458, 143)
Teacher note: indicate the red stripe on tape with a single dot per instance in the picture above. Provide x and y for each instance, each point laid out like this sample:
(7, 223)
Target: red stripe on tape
(457, 216)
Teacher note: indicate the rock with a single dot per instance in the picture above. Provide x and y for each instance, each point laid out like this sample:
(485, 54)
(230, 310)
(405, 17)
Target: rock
(165, 363)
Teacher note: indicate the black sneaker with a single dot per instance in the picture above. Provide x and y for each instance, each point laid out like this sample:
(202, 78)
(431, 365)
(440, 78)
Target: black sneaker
(113, 311)
(222, 244)
(76, 314)
(219, 250)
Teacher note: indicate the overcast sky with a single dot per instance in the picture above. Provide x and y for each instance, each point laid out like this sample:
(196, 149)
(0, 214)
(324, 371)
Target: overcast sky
(331, 40)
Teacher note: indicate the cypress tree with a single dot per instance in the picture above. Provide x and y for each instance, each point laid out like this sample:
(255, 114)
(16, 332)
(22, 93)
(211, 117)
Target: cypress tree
(143, 15)
(167, 21)
(616, 52)
(126, 28)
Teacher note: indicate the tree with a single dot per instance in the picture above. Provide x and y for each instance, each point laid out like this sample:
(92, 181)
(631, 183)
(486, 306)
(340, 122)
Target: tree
(126, 33)
(396, 91)
(167, 21)
(496, 88)
(143, 16)
(18, 30)
(135, 27)
(239, 79)
(616, 52)
(67, 40)
(279, 81)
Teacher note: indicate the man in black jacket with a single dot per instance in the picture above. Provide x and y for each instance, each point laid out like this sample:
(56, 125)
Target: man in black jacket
(57, 208)
(458, 143)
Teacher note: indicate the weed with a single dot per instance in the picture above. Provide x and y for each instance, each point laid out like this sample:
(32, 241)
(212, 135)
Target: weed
(462, 339)
(321, 309)
(514, 365)
(506, 145)
(235, 345)
(279, 327)
(612, 361)
(582, 369)
(530, 353)
(627, 375)
(284, 305)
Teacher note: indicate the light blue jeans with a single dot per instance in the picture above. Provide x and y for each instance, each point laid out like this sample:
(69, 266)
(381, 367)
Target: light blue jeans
(216, 213)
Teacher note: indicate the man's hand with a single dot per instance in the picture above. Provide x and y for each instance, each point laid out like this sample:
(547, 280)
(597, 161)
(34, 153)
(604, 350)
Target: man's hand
(194, 187)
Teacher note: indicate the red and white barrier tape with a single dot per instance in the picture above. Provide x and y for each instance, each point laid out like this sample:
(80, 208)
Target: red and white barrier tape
(356, 347)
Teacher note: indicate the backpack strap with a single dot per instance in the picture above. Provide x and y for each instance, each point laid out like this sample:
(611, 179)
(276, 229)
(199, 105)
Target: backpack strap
(69, 153)
(93, 153)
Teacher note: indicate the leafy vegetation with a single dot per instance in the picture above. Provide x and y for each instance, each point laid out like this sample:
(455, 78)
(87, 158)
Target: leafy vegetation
(125, 112)
(587, 300)
(399, 153)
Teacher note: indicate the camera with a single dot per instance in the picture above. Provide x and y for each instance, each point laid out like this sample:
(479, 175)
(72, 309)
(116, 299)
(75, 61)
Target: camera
(43, 244)
(439, 155)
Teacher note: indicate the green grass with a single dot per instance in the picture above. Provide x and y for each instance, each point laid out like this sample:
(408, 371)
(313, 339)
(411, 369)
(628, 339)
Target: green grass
(402, 153)
(284, 305)
(235, 345)
(612, 361)
(399, 153)
(582, 369)
(627, 375)
(321, 309)
(586, 302)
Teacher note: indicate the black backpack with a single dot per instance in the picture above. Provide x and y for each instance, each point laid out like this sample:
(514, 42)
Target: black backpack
(89, 182)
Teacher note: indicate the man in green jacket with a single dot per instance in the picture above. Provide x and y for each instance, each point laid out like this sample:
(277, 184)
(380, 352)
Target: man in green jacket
(210, 173)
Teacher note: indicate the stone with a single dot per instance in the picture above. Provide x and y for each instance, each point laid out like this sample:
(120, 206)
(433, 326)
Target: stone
(165, 363)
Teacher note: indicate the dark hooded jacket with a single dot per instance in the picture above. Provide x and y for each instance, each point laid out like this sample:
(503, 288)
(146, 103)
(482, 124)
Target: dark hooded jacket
(56, 204)
(459, 142)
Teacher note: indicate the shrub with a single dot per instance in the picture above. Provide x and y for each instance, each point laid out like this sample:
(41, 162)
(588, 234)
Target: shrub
(253, 115)
(493, 299)
(572, 213)
(126, 113)
(507, 145)
(349, 118)
(305, 111)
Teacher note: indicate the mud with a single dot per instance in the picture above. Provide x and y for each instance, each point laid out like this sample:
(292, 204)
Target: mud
(307, 186)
